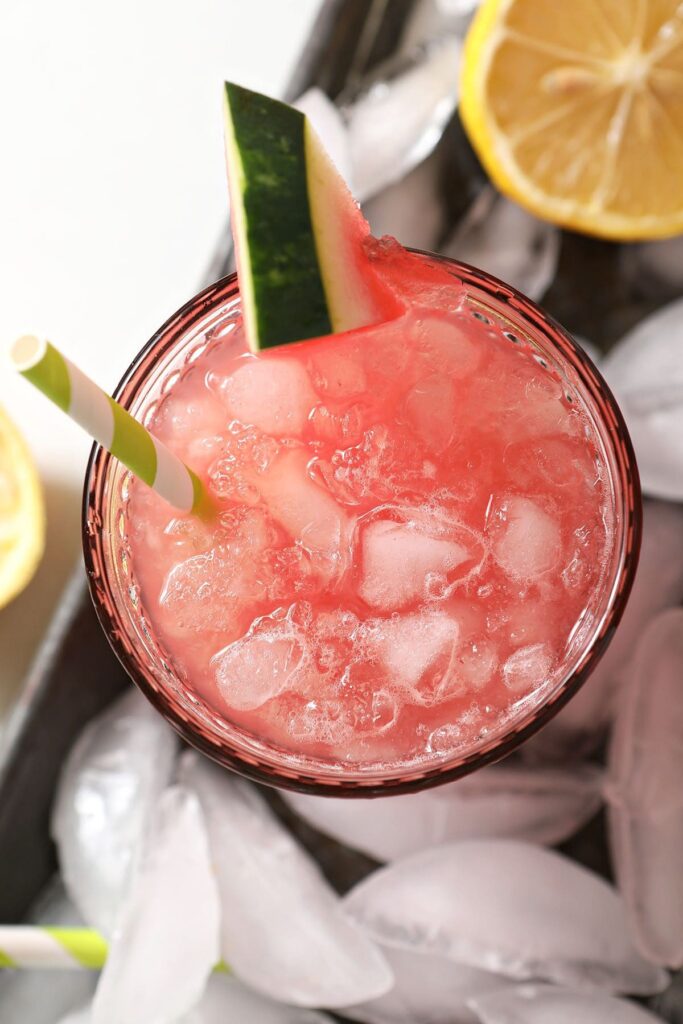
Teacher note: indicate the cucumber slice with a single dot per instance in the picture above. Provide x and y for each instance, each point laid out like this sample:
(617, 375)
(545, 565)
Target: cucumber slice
(299, 234)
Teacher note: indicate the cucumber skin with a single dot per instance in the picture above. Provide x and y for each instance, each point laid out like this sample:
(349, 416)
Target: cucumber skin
(289, 298)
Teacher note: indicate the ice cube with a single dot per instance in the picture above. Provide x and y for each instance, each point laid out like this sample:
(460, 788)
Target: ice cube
(306, 510)
(646, 756)
(337, 370)
(644, 790)
(166, 942)
(565, 463)
(526, 540)
(646, 853)
(109, 786)
(409, 645)
(428, 990)
(418, 223)
(579, 726)
(527, 668)
(430, 408)
(429, 20)
(549, 1004)
(23, 993)
(401, 548)
(322, 721)
(80, 1016)
(396, 124)
(284, 930)
(507, 907)
(228, 1001)
(206, 591)
(508, 242)
(474, 664)
(448, 346)
(659, 578)
(24, 997)
(272, 392)
(269, 660)
(534, 407)
(242, 456)
(646, 374)
(502, 801)
(55, 906)
(378, 467)
(457, 8)
(339, 428)
(189, 534)
(210, 590)
(181, 421)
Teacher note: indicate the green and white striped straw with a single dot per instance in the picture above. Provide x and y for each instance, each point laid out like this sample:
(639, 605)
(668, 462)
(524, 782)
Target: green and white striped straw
(108, 422)
(44, 947)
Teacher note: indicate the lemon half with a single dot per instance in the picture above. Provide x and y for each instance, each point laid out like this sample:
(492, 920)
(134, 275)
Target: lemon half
(22, 515)
(575, 108)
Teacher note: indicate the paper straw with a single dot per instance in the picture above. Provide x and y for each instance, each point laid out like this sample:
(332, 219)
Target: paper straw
(109, 423)
(44, 947)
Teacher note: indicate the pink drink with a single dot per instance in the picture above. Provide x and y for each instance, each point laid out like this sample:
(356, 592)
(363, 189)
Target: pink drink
(415, 535)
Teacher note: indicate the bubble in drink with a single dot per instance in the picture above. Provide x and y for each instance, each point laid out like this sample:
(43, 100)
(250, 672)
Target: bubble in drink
(415, 521)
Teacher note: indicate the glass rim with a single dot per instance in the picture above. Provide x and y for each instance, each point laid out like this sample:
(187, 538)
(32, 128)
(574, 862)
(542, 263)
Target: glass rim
(411, 778)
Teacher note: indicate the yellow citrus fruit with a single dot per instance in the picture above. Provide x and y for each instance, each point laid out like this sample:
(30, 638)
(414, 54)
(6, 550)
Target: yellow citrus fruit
(575, 108)
(22, 515)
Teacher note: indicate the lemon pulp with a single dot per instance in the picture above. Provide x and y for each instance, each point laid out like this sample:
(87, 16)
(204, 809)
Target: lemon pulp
(22, 517)
(576, 110)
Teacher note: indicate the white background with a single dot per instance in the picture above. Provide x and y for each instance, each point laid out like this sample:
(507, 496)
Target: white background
(112, 199)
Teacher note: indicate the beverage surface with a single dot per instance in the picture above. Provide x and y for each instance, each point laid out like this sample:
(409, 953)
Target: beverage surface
(413, 531)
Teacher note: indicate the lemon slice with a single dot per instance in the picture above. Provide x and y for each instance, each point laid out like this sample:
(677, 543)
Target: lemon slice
(575, 108)
(22, 515)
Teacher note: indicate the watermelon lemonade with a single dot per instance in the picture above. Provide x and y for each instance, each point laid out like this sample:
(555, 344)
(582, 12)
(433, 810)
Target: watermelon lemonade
(414, 536)
(424, 505)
